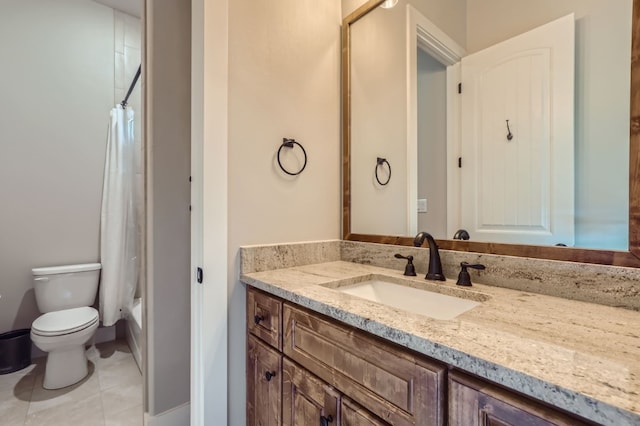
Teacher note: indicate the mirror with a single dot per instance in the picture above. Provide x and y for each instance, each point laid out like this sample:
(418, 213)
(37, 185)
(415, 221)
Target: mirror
(610, 238)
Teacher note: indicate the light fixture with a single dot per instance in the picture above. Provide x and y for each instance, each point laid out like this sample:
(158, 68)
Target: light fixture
(388, 4)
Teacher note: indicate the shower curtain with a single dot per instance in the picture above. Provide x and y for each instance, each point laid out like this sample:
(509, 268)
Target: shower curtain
(118, 239)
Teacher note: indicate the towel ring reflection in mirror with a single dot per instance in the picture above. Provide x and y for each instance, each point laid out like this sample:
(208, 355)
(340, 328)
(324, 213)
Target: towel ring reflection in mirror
(289, 143)
(380, 162)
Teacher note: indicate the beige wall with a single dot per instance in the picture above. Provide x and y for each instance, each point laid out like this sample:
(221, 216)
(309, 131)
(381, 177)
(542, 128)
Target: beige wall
(57, 88)
(284, 61)
(432, 144)
(603, 46)
(379, 122)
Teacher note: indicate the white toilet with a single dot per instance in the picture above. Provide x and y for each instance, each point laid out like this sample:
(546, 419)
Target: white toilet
(64, 295)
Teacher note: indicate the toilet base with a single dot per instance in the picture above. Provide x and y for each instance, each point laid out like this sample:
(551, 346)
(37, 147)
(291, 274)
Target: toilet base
(65, 367)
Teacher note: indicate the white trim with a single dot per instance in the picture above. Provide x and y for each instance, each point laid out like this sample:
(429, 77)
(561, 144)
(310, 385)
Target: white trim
(133, 332)
(197, 115)
(454, 150)
(178, 416)
(209, 186)
(412, 122)
(432, 39)
(423, 33)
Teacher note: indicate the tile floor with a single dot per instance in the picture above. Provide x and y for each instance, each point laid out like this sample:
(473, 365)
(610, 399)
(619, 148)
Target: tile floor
(111, 395)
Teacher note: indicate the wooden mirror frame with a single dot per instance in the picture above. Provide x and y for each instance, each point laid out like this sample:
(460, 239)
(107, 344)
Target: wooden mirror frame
(605, 257)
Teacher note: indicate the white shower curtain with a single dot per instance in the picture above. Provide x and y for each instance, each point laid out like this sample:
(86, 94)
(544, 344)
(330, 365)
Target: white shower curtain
(118, 228)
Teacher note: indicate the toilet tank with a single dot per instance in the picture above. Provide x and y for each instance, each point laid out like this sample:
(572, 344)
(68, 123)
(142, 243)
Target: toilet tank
(64, 287)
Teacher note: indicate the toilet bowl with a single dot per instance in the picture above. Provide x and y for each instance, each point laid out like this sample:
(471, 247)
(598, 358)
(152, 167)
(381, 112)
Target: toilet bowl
(63, 335)
(64, 295)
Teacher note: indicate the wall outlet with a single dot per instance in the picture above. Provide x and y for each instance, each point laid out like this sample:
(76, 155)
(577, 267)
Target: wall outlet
(422, 205)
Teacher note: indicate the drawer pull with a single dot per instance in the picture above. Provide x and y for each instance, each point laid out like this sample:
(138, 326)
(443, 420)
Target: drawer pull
(269, 375)
(324, 421)
(258, 318)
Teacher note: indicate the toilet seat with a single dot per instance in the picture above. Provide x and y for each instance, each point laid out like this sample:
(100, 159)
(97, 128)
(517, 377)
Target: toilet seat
(63, 322)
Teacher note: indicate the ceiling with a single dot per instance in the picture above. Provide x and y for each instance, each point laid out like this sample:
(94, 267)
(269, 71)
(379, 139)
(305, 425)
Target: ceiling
(127, 6)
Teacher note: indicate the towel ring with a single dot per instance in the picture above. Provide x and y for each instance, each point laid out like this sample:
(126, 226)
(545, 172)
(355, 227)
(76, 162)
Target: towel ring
(380, 162)
(289, 143)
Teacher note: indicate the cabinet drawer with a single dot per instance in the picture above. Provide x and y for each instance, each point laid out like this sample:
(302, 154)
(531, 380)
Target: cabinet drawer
(473, 402)
(264, 317)
(394, 385)
(264, 384)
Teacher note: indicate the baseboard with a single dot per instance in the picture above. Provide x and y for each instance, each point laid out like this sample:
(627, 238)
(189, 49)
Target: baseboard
(178, 416)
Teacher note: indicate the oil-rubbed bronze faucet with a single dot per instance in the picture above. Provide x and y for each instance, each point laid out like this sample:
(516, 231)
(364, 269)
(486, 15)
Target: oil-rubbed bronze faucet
(435, 266)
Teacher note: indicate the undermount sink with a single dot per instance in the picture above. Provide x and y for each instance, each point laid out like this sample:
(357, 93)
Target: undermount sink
(418, 301)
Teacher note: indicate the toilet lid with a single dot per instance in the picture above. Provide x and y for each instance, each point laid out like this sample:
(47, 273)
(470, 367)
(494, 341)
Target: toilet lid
(64, 322)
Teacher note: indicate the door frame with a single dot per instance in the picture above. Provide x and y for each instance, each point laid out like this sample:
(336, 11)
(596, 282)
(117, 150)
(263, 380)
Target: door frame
(209, 186)
(424, 34)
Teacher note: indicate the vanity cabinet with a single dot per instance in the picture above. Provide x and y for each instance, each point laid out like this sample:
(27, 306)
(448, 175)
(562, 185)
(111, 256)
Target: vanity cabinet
(264, 318)
(306, 369)
(474, 402)
(307, 400)
(393, 384)
(264, 360)
(264, 384)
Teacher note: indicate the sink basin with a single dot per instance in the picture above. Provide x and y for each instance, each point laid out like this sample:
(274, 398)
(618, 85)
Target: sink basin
(415, 300)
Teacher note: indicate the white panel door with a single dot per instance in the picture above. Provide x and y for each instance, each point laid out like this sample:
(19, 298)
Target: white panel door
(520, 189)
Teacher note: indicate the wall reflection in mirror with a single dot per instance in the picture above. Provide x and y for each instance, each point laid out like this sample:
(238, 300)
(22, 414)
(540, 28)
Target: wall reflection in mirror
(555, 173)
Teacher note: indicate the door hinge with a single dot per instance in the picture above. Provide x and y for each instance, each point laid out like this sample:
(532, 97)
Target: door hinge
(459, 162)
(199, 274)
(459, 87)
(189, 178)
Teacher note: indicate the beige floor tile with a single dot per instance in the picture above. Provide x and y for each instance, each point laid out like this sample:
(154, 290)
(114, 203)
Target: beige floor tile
(19, 381)
(121, 398)
(121, 373)
(13, 409)
(84, 412)
(130, 417)
(42, 399)
(109, 353)
(23, 400)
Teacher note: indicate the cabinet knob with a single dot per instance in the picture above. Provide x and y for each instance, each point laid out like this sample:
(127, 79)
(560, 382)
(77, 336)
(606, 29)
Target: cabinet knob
(324, 421)
(269, 375)
(258, 318)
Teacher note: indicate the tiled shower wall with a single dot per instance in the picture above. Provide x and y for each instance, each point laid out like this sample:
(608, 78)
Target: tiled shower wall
(128, 54)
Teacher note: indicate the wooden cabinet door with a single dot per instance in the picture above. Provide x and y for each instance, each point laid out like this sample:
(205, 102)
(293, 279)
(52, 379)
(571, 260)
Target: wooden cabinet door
(392, 383)
(354, 415)
(264, 384)
(476, 403)
(306, 400)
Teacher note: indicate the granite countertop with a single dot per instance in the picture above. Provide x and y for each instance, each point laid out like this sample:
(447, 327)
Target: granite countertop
(578, 356)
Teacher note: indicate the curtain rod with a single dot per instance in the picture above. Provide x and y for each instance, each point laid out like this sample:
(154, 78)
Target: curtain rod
(133, 84)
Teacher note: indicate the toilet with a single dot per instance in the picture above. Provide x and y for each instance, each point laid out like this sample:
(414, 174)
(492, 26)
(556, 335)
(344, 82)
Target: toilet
(64, 295)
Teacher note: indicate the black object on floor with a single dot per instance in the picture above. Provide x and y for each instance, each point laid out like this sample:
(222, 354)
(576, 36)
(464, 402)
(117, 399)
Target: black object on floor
(15, 350)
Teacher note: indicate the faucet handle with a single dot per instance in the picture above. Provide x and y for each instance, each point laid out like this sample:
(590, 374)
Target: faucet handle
(464, 278)
(410, 269)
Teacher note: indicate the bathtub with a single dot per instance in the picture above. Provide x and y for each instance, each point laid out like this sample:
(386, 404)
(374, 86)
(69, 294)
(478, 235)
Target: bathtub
(134, 330)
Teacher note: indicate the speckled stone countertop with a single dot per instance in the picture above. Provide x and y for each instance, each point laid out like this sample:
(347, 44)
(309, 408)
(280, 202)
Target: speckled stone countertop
(578, 356)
